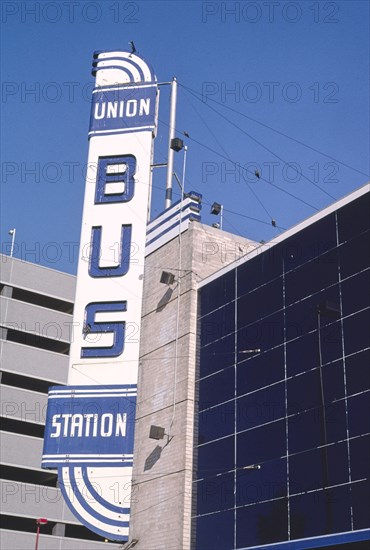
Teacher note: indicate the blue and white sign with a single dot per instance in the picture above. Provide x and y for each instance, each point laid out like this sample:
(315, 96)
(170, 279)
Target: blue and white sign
(90, 425)
(126, 109)
(89, 432)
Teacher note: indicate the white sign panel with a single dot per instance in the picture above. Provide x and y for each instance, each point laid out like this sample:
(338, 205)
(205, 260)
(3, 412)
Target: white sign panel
(89, 433)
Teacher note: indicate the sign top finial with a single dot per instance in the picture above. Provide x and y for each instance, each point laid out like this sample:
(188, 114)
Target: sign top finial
(121, 67)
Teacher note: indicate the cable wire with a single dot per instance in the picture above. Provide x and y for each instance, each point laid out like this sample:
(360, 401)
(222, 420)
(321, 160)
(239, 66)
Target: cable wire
(277, 131)
(264, 146)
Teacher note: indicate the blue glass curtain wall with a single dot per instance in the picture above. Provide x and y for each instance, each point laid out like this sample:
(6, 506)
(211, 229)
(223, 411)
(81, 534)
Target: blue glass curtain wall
(284, 386)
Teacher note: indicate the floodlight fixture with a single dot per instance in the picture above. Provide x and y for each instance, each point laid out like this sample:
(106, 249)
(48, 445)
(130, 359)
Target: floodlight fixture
(156, 432)
(216, 208)
(177, 144)
(167, 278)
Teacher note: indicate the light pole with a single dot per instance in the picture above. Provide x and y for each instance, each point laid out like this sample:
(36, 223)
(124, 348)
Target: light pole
(39, 522)
(12, 233)
(216, 209)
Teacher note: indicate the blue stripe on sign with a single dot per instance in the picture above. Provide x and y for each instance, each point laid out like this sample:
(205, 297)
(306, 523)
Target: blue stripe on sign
(191, 215)
(126, 70)
(88, 508)
(99, 498)
(175, 213)
(129, 61)
(84, 522)
(120, 131)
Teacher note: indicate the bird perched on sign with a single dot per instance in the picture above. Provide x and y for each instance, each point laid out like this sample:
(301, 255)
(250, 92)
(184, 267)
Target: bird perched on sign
(257, 174)
(133, 49)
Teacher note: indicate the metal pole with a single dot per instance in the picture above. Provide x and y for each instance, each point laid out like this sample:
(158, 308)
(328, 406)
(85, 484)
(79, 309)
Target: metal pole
(12, 233)
(171, 135)
(221, 215)
(183, 172)
(324, 449)
(37, 537)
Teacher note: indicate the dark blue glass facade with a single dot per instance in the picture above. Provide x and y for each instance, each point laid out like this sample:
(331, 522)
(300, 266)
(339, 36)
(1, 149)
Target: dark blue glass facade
(300, 406)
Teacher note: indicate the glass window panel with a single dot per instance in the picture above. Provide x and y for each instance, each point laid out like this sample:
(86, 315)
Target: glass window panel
(354, 218)
(307, 470)
(260, 444)
(358, 372)
(217, 388)
(217, 293)
(265, 334)
(259, 270)
(306, 429)
(356, 332)
(336, 425)
(304, 391)
(320, 513)
(215, 531)
(260, 407)
(331, 342)
(361, 504)
(262, 524)
(333, 381)
(267, 483)
(216, 422)
(352, 255)
(360, 457)
(338, 467)
(302, 316)
(301, 354)
(259, 303)
(355, 293)
(215, 458)
(216, 356)
(311, 277)
(260, 370)
(217, 324)
(215, 493)
(358, 414)
(309, 243)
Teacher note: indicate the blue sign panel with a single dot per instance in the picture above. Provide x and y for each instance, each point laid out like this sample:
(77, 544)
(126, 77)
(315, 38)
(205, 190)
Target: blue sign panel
(117, 110)
(91, 425)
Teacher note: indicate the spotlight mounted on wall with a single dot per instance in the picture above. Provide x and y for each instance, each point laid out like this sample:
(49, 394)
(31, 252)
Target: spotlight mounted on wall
(167, 278)
(156, 432)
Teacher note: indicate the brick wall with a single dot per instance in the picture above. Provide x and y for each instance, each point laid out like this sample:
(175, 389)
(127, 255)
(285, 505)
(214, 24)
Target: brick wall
(162, 478)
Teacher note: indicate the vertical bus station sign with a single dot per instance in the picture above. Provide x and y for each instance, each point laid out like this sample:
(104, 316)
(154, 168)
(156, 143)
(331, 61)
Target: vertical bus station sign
(89, 433)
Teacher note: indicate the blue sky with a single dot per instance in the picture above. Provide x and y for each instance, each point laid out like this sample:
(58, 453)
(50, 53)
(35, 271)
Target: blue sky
(279, 87)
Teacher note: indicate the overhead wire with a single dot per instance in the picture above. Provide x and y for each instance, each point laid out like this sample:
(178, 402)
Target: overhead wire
(245, 169)
(261, 144)
(226, 153)
(278, 131)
